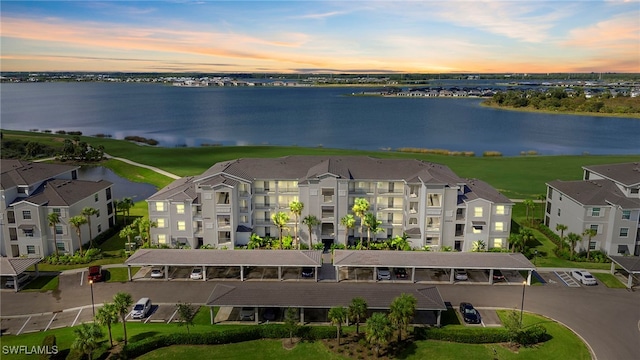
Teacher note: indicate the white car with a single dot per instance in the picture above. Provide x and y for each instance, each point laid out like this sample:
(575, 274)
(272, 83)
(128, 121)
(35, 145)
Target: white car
(196, 273)
(461, 275)
(384, 273)
(157, 273)
(584, 277)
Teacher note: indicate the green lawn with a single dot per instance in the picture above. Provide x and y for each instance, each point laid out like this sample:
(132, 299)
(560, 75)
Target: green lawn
(119, 274)
(609, 280)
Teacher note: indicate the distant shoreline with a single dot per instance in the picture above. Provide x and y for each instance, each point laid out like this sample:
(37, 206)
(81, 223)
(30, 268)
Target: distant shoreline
(530, 110)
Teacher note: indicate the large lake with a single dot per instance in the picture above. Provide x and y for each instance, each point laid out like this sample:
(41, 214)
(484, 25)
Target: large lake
(304, 116)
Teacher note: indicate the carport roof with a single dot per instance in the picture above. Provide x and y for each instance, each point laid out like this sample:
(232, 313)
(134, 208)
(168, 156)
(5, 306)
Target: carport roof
(630, 264)
(432, 260)
(16, 266)
(321, 295)
(206, 257)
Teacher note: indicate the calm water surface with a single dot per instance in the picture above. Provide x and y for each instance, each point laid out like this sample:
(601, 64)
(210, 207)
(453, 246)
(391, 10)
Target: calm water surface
(121, 187)
(302, 116)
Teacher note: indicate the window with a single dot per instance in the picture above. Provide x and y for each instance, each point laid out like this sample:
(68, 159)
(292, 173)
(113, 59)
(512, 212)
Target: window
(182, 226)
(433, 223)
(594, 227)
(626, 214)
(548, 208)
(180, 208)
(499, 226)
(11, 217)
(477, 211)
(477, 229)
(635, 191)
(28, 232)
(222, 198)
(162, 239)
(433, 200)
(560, 197)
(244, 219)
(413, 207)
(108, 193)
(160, 222)
(57, 211)
(26, 214)
(549, 193)
(413, 221)
(592, 245)
(31, 249)
(559, 212)
(60, 246)
(59, 230)
(99, 228)
(96, 197)
(595, 212)
(624, 232)
(499, 209)
(159, 206)
(497, 243)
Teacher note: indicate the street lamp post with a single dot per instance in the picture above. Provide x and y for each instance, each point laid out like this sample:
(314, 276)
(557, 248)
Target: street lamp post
(93, 305)
(524, 286)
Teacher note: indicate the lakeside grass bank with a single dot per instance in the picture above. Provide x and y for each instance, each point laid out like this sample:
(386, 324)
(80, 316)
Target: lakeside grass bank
(541, 111)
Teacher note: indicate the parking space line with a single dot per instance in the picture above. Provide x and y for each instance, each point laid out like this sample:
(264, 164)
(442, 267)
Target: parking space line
(25, 324)
(81, 277)
(50, 321)
(174, 314)
(76, 319)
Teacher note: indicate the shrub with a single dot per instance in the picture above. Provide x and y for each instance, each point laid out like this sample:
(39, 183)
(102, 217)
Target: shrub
(467, 335)
(491, 153)
(75, 355)
(48, 343)
(533, 335)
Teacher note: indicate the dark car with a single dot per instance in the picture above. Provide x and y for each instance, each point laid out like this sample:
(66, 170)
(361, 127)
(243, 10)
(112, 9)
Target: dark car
(270, 314)
(401, 273)
(497, 275)
(95, 273)
(307, 272)
(469, 314)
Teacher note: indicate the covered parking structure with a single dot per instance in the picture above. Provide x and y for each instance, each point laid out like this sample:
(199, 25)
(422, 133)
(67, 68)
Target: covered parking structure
(13, 267)
(322, 296)
(630, 264)
(226, 258)
(413, 260)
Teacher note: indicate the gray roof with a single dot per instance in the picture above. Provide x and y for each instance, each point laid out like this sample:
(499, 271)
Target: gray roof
(321, 295)
(630, 264)
(481, 190)
(16, 266)
(181, 189)
(595, 192)
(65, 192)
(432, 260)
(207, 257)
(19, 172)
(625, 173)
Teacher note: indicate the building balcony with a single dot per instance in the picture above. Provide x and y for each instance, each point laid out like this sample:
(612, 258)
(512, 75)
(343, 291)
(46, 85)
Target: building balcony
(244, 209)
(262, 221)
(244, 194)
(263, 206)
(288, 190)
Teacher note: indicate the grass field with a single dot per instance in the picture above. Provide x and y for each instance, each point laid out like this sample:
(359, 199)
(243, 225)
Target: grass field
(43, 283)
(609, 280)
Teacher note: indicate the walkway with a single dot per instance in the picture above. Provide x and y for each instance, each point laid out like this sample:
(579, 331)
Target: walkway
(159, 171)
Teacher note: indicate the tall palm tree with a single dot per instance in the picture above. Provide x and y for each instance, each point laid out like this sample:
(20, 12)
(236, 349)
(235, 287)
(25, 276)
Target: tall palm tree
(515, 240)
(144, 226)
(296, 209)
(311, 221)
(357, 311)
(360, 209)
(478, 246)
(88, 212)
(280, 220)
(561, 228)
(349, 222)
(527, 236)
(53, 219)
(542, 198)
(590, 233)
(87, 339)
(76, 222)
(373, 226)
(338, 315)
(529, 205)
(378, 331)
(573, 239)
(127, 232)
(107, 315)
(401, 311)
(122, 301)
(125, 206)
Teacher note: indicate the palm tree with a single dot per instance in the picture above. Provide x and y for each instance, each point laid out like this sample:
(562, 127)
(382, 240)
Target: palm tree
(561, 228)
(338, 315)
(349, 222)
(88, 212)
(401, 312)
(125, 206)
(573, 240)
(107, 315)
(87, 339)
(478, 246)
(76, 222)
(357, 311)
(311, 221)
(378, 331)
(280, 220)
(296, 209)
(401, 242)
(122, 301)
(53, 220)
(127, 232)
(527, 236)
(590, 233)
(360, 209)
(529, 205)
(144, 226)
(542, 198)
(373, 226)
(516, 242)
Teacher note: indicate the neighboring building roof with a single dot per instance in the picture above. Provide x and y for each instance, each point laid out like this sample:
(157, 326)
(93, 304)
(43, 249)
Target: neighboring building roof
(64, 192)
(481, 190)
(183, 188)
(206, 257)
(625, 173)
(16, 266)
(630, 264)
(595, 192)
(19, 172)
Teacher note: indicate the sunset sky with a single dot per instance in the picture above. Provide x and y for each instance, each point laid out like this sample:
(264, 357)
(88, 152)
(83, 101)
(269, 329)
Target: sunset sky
(321, 36)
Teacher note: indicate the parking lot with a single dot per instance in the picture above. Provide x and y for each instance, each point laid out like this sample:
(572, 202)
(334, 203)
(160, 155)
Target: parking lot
(222, 273)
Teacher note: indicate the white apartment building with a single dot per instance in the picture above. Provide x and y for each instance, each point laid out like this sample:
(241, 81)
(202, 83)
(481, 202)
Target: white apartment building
(233, 199)
(30, 191)
(607, 200)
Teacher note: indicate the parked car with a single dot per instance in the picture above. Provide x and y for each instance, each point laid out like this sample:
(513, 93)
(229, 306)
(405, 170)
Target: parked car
(141, 308)
(247, 313)
(157, 273)
(461, 275)
(270, 314)
(584, 277)
(469, 314)
(22, 279)
(307, 272)
(95, 273)
(401, 273)
(196, 273)
(497, 275)
(384, 273)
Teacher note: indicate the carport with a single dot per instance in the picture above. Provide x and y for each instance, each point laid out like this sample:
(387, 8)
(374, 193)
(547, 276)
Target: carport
(15, 266)
(321, 296)
(432, 260)
(226, 258)
(630, 264)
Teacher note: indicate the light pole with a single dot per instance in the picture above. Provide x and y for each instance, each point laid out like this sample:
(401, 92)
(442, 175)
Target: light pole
(93, 305)
(524, 286)
(535, 257)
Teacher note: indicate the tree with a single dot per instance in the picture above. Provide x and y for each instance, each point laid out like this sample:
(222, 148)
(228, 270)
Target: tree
(357, 311)
(360, 209)
(478, 246)
(529, 205)
(542, 198)
(516, 241)
(122, 301)
(401, 312)
(338, 315)
(144, 226)
(127, 232)
(76, 222)
(573, 239)
(107, 315)
(53, 220)
(349, 222)
(296, 209)
(87, 339)
(401, 242)
(125, 206)
(291, 322)
(561, 228)
(186, 313)
(311, 221)
(88, 212)
(378, 330)
(590, 233)
(280, 220)
(373, 226)
(527, 236)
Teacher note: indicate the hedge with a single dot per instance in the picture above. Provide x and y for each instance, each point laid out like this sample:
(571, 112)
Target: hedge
(463, 335)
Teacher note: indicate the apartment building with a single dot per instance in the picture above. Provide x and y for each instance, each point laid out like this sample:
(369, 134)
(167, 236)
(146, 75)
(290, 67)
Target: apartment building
(30, 191)
(233, 199)
(607, 200)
